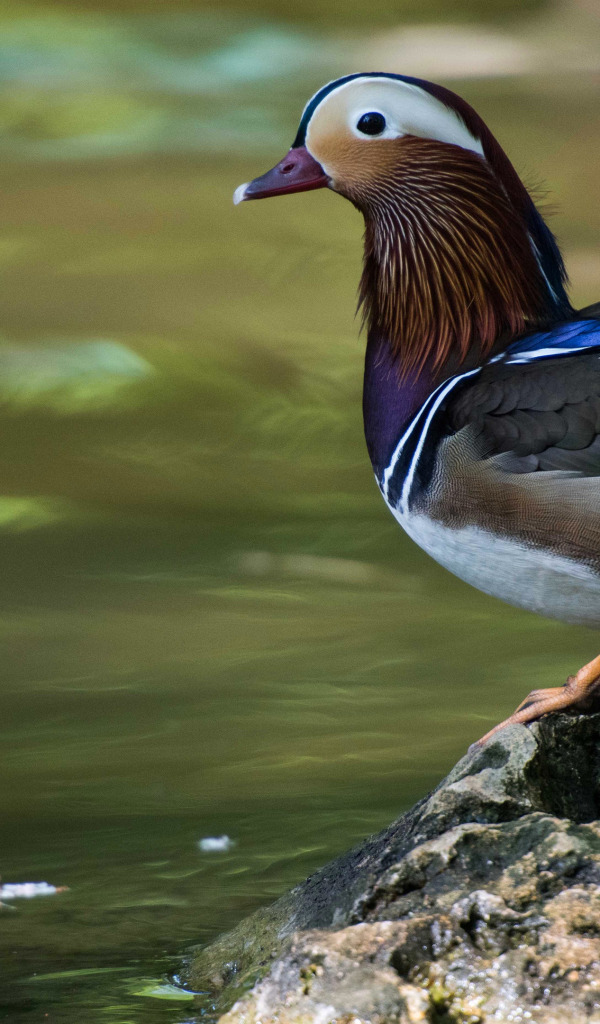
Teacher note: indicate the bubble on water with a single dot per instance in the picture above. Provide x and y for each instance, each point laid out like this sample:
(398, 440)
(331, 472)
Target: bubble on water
(216, 844)
(27, 890)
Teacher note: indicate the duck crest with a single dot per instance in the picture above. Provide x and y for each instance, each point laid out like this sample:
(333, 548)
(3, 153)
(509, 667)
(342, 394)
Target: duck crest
(455, 258)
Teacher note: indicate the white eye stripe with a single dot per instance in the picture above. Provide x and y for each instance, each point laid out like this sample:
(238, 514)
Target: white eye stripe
(407, 108)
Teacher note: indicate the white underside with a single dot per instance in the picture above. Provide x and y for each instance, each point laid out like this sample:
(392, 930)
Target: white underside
(524, 576)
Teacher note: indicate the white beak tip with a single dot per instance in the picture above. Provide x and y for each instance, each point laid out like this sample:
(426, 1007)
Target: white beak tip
(240, 193)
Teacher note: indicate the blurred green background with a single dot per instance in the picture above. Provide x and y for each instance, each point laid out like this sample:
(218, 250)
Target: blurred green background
(210, 623)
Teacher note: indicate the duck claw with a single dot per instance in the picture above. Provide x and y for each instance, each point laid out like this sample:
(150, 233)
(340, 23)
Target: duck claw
(579, 691)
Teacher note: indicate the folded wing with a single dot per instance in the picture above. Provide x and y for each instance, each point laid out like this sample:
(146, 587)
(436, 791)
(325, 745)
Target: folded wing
(537, 409)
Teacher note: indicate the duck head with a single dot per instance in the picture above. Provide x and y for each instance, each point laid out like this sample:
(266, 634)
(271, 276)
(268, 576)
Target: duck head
(456, 254)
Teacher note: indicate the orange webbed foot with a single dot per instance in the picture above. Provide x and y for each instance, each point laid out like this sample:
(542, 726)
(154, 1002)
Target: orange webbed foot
(577, 691)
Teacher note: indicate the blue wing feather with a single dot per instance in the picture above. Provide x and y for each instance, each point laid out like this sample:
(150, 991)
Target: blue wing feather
(564, 339)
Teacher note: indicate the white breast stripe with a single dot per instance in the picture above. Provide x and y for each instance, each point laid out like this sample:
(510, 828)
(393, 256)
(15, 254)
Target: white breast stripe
(409, 476)
(437, 398)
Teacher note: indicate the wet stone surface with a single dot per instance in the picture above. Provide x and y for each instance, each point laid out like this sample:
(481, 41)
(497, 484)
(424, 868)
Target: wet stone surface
(481, 904)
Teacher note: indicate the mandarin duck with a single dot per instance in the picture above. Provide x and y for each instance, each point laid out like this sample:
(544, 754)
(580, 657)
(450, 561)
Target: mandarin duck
(481, 395)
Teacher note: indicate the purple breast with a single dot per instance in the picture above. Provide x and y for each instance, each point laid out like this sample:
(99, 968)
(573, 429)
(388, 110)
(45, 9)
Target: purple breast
(389, 400)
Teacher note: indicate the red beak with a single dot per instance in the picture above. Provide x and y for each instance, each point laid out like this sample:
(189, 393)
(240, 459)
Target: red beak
(297, 172)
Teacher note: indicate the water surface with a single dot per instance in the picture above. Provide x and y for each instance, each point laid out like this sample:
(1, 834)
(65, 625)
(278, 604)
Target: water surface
(210, 623)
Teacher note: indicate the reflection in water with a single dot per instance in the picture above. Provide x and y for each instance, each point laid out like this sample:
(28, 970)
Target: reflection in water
(210, 624)
(69, 378)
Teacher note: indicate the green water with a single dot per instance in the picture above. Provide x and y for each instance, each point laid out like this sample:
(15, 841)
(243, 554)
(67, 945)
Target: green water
(210, 623)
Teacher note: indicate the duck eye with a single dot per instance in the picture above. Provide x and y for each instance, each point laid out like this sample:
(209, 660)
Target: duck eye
(371, 123)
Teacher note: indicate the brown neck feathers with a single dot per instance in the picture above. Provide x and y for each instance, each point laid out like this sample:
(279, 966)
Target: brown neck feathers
(449, 266)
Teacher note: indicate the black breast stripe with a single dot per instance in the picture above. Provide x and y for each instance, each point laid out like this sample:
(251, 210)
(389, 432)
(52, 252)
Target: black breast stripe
(413, 461)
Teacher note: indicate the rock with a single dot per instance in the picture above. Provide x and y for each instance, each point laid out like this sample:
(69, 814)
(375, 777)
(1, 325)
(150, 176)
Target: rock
(481, 904)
